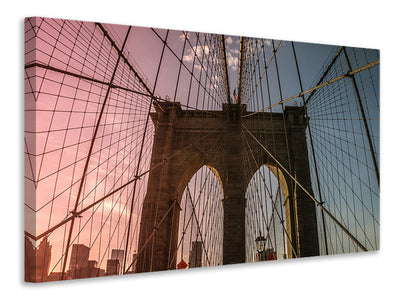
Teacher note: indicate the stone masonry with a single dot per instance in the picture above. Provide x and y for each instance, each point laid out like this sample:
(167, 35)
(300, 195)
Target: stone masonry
(186, 140)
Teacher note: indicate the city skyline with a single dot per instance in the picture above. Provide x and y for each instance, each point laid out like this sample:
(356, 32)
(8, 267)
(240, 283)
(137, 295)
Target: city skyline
(37, 263)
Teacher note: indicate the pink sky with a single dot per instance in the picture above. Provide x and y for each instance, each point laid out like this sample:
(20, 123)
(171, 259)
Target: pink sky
(61, 112)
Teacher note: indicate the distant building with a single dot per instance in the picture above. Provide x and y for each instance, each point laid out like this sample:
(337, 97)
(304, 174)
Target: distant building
(79, 261)
(37, 260)
(118, 254)
(100, 272)
(113, 267)
(196, 254)
(91, 270)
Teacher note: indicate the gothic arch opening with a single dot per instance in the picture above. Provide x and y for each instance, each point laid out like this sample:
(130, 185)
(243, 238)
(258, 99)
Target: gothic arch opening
(266, 236)
(200, 230)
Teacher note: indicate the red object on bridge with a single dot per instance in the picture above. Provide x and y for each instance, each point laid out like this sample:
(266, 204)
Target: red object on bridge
(182, 265)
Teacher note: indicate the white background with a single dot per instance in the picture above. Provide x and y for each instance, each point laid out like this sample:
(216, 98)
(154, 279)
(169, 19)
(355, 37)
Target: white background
(370, 24)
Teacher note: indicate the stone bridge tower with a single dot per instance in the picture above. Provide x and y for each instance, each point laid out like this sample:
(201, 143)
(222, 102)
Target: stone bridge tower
(186, 140)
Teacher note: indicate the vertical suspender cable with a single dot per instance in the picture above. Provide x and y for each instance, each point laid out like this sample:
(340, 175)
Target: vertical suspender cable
(140, 154)
(371, 147)
(89, 155)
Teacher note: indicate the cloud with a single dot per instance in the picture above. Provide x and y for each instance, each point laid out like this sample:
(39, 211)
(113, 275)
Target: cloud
(268, 43)
(188, 57)
(197, 66)
(206, 49)
(195, 51)
(232, 61)
(183, 35)
(232, 54)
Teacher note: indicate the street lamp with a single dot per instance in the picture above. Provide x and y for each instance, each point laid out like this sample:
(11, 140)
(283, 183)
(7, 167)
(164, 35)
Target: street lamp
(260, 242)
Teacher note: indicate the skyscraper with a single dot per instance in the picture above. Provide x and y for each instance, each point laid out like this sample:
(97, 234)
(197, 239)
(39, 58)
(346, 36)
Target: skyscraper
(79, 259)
(118, 254)
(113, 267)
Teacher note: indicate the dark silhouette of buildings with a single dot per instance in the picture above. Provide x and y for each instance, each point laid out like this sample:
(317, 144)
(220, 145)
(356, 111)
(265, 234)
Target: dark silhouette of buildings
(79, 261)
(90, 271)
(113, 267)
(80, 266)
(37, 260)
(37, 263)
(118, 254)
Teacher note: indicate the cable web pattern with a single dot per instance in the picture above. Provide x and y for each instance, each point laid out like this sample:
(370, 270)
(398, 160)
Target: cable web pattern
(96, 95)
(349, 182)
(88, 133)
(342, 110)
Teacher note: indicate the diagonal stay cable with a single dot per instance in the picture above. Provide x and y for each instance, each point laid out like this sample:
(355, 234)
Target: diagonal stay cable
(307, 192)
(329, 67)
(138, 177)
(273, 202)
(152, 234)
(187, 69)
(312, 145)
(128, 63)
(361, 108)
(141, 152)
(90, 79)
(348, 74)
(197, 200)
(88, 157)
(275, 50)
(186, 225)
(198, 226)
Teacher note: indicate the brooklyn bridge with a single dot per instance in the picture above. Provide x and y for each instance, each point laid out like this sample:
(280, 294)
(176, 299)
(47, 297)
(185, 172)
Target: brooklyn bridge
(151, 149)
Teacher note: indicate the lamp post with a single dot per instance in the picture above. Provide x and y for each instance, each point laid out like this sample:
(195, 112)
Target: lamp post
(260, 242)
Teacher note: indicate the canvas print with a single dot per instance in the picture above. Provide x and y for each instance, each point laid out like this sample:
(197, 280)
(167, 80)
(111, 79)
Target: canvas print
(150, 149)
